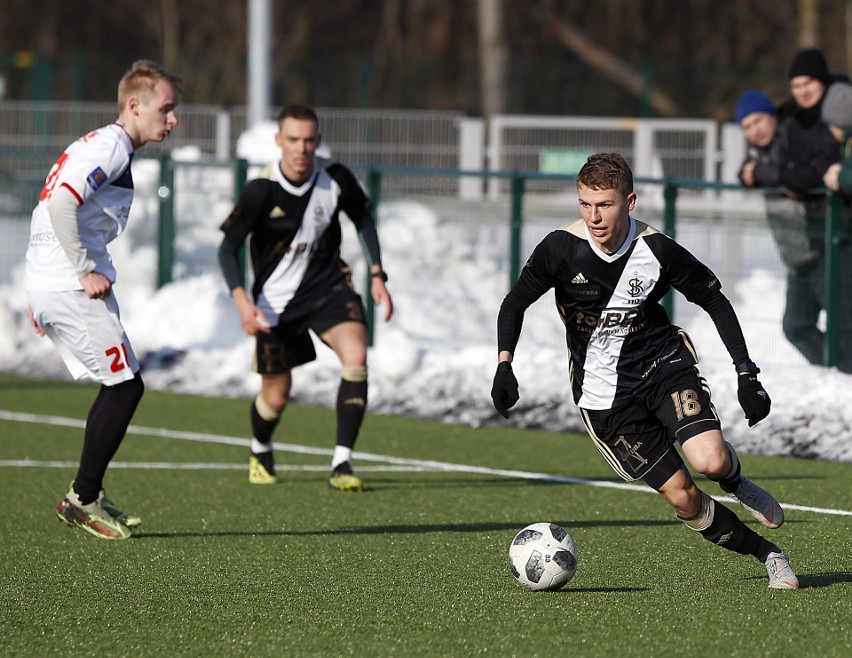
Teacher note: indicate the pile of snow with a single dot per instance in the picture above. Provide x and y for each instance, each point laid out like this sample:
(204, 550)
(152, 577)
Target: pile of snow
(430, 360)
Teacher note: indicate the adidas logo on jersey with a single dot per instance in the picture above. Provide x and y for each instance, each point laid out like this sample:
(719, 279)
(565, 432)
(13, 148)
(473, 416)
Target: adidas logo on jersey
(276, 213)
(579, 279)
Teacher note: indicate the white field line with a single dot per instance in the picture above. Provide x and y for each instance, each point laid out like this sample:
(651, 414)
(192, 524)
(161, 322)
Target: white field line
(398, 463)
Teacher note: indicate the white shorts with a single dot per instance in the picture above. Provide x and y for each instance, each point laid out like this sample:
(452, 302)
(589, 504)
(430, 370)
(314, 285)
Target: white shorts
(87, 333)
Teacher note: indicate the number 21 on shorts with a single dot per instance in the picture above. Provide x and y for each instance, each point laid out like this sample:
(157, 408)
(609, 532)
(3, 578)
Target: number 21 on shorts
(119, 358)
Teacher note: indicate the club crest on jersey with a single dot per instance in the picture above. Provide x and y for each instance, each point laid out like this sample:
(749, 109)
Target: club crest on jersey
(636, 286)
(319, 213)
(96, 179)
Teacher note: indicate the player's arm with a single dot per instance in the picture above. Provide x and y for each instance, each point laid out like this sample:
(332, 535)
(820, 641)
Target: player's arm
(358, 208)
(703, 288)
(536, 279)
(236, 228)
(378, 277)
(252, 318)
(62, 208)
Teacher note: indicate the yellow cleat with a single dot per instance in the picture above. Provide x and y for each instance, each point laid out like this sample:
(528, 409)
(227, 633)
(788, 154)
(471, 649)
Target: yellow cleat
(342, 479)
(91, 517)
(259, 474)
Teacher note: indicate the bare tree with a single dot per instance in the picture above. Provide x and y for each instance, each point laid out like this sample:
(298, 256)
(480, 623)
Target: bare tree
(610, 65)
(808, 23)
(492, 55)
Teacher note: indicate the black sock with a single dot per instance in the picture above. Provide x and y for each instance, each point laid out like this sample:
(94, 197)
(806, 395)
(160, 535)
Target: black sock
(262, 429)
(729, 532)
(351, 406)
(267, 461)
(106, 426)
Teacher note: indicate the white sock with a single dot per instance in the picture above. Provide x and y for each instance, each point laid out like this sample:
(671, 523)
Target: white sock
(341, 454)
(257, 447)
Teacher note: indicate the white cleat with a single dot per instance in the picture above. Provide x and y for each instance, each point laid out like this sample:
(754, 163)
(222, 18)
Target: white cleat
(780, 572)
(759, 503)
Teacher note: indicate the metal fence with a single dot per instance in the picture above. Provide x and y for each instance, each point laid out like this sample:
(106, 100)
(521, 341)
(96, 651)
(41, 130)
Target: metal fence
(488, 220)
(469, 253)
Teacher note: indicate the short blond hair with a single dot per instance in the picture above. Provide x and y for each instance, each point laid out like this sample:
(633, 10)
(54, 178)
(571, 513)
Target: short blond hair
(141, 78)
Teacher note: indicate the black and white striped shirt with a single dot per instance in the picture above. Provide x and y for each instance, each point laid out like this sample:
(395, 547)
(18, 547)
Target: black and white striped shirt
(618, 334)
(296, 235)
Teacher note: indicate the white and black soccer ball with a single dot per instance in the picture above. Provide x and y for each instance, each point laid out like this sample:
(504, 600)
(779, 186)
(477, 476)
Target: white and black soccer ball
(543, 556)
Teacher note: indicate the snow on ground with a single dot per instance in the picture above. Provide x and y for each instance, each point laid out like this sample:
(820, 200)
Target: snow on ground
(430, 360)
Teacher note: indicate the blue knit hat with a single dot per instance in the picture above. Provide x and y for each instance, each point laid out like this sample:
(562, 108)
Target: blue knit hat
(753, 101)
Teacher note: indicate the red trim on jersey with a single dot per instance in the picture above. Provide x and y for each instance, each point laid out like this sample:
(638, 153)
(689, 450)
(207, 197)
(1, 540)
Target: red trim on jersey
(74, 192)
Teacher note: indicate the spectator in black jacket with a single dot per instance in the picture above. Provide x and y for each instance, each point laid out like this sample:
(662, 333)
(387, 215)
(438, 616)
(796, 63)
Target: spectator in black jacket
(806, 150)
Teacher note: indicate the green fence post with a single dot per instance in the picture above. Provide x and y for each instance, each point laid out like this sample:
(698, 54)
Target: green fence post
(832, 278)
(515, 224)
(374, 191)
(669, 228)
(166, 224)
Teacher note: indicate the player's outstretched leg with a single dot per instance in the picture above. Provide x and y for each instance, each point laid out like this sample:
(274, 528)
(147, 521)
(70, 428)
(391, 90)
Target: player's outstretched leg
(719, 525)
(755, 500)
(90, 517)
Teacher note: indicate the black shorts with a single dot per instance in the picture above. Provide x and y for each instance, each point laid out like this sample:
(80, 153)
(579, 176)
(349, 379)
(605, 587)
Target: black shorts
(289, 344)
(639, 439)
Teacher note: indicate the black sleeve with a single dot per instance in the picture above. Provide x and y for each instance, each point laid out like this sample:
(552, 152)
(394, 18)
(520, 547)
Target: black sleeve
(766, 175)
(805, 157)
(536, 279)
(722, 313)
(750, 155)
(370, 241)
(695, 281)
(229, 262)
(246, 213)
(358, 208)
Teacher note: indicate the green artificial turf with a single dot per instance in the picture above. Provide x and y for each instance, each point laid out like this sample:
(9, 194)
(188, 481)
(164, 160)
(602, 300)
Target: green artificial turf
(416, 565)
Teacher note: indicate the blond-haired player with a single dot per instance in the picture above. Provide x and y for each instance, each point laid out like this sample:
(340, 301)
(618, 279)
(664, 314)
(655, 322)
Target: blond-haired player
(83, 206)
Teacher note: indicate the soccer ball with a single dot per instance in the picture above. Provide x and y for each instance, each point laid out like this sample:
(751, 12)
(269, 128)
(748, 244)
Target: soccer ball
(543, 556)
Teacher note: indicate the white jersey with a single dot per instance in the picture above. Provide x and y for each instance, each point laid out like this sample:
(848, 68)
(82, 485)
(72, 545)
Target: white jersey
(96, 170)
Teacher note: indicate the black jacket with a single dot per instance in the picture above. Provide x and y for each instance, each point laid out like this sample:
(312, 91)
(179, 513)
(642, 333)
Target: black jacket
(807, 149)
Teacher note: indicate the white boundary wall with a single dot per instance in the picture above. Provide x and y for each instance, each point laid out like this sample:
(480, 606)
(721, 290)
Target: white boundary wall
(657, 148)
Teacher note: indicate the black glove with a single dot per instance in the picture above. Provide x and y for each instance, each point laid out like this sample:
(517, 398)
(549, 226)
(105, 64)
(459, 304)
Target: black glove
(752, 396)
(504, 392)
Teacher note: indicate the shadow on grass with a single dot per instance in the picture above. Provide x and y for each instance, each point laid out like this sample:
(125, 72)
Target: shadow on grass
(388, 484)
(400, 529)
(599, 590)
(824, 579)
(380, 483)
(816, 580)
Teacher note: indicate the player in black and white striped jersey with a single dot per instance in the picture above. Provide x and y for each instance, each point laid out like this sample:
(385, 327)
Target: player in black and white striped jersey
(291, 215)
(633, 373)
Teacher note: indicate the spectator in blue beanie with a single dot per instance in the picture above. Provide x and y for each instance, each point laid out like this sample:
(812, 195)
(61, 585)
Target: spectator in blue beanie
(757, 115)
